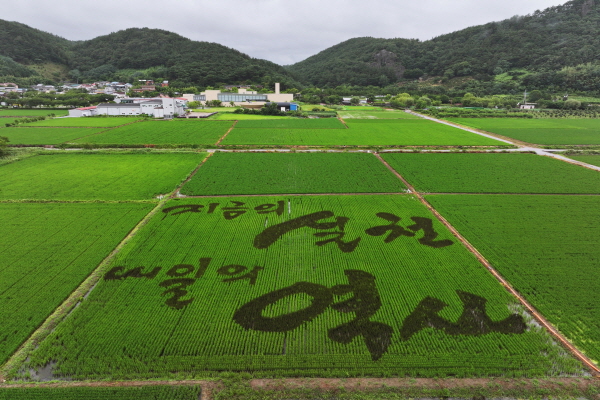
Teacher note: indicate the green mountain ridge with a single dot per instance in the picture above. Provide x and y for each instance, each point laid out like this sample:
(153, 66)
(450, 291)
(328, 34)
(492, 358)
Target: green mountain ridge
(548, 40)
(554, 48)
(131, 54)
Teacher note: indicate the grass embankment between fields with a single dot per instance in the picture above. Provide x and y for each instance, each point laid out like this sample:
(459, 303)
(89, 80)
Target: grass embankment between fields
(243, 387)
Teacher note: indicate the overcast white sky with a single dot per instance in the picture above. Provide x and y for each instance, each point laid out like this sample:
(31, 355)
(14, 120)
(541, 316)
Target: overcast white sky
(281, 31)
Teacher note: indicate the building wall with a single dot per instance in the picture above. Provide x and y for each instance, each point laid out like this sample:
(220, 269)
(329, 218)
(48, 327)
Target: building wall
(122, 110)
(280, 98)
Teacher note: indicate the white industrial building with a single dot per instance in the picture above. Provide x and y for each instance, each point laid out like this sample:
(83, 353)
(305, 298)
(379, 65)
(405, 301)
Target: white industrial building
(160, 107)
(242, 98)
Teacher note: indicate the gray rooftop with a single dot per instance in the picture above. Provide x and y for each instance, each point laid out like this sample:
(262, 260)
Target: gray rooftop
(119, 105)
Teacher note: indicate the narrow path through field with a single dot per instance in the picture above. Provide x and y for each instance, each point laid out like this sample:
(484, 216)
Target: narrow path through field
(226, 133)
(540, 319)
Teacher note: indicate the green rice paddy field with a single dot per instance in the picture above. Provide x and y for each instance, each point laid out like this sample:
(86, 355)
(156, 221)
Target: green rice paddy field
(192, 132)
(275, 173)
(43, 135)
(46, 251)
(540, 131)
(92, 122)
(547, 248)
(22, 113)
(492, 173)
(363, 133)
(6, 120)
(593, 159)
(95, 176)
(375, 114)
(229, 116)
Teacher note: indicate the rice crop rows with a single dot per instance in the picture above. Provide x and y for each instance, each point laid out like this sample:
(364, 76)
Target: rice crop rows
(11, 112)
(93, 176)
(229, 116)
(46, 251)
(492, 173)
(161, 392)
(593, 159)
(326, 284)
(289, 123)
(546, 246)
(27, 135)
(539, 131)
(192, 132)
(274, 173)
(377, 115)
(91, 122)
(363, 133)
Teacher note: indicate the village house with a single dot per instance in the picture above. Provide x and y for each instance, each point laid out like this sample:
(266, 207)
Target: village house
(44, 88)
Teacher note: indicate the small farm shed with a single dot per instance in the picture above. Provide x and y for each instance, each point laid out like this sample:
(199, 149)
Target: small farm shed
(283, 106)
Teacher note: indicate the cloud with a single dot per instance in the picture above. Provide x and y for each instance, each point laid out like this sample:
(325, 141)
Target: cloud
(280, 31)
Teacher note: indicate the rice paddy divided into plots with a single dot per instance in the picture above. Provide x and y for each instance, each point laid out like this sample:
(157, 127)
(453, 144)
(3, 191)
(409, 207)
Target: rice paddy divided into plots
(11, 112)
(492, 173)
(296, 123)
(187, 132)
(547, 248)
(163, 392)
(593, 159)
(539, 131)
(377, 115)
(275, 173)
(91, 176)
(90, 122)
(304, 285)
(46, 251)
(364, 133)
(30, 136)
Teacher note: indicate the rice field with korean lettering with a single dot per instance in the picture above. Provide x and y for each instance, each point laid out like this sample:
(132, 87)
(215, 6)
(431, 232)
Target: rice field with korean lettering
(300, 286)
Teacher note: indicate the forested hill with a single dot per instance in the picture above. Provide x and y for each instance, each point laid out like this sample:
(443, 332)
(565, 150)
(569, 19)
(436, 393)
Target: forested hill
(27, 45)
(131, 54)
(172, 56)
(548, 40)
